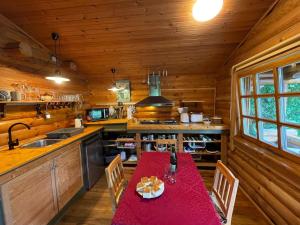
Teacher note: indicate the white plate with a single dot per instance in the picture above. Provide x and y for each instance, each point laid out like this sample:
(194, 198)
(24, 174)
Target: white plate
(152, 194)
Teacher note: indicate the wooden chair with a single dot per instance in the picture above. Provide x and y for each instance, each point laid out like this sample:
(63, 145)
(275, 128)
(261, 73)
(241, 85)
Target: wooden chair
(116, 180)
(167, 142)
(224, 192)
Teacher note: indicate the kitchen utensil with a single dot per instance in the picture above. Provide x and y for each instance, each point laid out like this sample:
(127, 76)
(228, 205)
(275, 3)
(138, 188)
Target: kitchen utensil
(15, 96)
(4, 96)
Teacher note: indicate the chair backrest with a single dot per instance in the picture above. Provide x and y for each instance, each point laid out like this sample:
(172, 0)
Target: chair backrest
(167, 142)
(115, 180)
(225, 189)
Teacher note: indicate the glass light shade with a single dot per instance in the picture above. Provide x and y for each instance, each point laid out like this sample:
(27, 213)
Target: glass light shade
(58, 79)
(204, 10)
(114, 88)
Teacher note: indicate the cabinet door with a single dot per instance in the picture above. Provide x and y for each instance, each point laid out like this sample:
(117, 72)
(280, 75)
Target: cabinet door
(30, 198)
(68, 174)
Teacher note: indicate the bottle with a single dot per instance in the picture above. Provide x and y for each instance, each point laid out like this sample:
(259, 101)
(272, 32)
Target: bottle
(173, 160)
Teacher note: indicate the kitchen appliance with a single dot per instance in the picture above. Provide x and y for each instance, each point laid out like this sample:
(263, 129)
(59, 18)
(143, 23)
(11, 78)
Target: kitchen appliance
(96, 114)
(64, 133)
(78, 123)
(184, 118)
(196, 117)
(155, 98)
(93, 160)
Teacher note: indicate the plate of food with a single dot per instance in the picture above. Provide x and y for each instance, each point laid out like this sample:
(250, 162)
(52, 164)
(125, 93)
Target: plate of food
(150, 187)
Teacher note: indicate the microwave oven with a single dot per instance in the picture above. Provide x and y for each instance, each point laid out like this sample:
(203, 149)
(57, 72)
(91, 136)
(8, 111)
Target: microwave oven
(96, 114)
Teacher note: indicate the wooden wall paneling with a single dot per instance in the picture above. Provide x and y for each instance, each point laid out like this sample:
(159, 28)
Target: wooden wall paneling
(270, 180)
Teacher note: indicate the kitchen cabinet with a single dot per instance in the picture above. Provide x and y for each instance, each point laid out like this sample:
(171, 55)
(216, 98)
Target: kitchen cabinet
(38, 194)
(30, 198)
(68, 174)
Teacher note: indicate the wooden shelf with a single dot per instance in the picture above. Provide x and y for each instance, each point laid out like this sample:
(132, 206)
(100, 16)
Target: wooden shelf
(130, 162)
(125, 140)
(206, 164)
(118, 147)
(204, 153)
(3, 104)
(32, 102)
(215, 141)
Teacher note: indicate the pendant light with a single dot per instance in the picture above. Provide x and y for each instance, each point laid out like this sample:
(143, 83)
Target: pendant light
(57, 77)
(114, 87)
(204, 10)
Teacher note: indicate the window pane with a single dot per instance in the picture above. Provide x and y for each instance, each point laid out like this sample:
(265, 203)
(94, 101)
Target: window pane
(248, 106)
(291, 140)
(265, 82)
(246, 85)
(289, 78)
(268, 133)
(290, 109)
(267, 108)
(250, 127)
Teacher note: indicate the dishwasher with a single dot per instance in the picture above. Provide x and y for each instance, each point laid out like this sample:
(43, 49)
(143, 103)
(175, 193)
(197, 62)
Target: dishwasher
(93, 160)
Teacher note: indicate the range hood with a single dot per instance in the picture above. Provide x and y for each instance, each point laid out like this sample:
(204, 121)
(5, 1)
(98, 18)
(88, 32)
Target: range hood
(155, 98)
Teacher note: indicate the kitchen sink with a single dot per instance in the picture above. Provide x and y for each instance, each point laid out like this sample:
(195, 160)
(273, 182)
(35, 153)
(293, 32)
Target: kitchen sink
(41, 143)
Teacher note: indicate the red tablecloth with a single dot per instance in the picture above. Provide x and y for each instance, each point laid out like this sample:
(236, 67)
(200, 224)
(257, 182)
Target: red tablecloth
(184, 203)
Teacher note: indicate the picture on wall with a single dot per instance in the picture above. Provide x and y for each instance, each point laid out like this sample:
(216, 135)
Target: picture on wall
(123, 95)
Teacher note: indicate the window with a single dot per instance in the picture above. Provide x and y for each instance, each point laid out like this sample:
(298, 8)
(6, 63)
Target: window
(270, 106)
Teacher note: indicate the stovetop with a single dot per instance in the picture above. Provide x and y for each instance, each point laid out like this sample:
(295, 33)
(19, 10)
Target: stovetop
(169, 122)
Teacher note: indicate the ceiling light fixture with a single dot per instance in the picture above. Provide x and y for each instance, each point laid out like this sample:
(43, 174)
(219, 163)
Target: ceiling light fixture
(114, 87)
(204, 10)
(57, 76)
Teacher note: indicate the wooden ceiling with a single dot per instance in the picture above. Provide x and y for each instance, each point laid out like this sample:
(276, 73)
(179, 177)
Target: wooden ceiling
(136, 35)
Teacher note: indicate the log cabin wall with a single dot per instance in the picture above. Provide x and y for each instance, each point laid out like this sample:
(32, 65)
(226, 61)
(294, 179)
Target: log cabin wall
(59, 117)
(271, 181)
(181, 87)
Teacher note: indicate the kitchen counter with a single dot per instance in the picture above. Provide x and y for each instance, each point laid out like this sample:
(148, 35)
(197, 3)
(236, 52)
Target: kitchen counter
(12, 159)
(108, 122)
(177, 128)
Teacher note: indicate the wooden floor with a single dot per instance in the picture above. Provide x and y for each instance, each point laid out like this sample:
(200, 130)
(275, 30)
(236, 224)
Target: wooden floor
(94, 207)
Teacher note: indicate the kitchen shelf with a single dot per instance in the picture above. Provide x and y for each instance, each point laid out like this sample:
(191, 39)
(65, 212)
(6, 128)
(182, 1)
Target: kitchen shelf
(129, 162)
(126, 148)
(3, 104)
(215, 141)
(125, 140)
(204, 153)
(206, 164)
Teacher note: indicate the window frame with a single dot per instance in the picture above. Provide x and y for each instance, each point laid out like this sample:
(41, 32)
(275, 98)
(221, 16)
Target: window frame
(270, 65)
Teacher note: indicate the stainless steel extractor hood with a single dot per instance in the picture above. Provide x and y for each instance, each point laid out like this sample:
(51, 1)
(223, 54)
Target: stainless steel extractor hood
(155, 98)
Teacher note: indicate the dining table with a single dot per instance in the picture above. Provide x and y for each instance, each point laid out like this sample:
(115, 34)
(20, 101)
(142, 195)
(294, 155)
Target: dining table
(185, 202)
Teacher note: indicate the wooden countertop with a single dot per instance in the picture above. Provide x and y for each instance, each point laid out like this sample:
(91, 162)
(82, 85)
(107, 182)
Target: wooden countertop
(177, 127)
(107, 122)
(12, 159)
